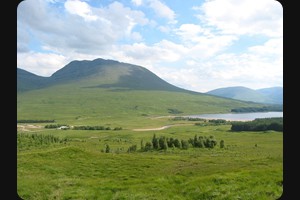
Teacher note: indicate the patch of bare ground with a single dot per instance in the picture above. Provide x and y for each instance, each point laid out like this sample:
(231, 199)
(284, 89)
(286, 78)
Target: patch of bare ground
(160, 128)
(28, 127)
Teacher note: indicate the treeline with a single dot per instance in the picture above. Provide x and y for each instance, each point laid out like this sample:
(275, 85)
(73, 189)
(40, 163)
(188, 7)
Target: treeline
(164, 143)
(65, 126)
(264, 124)
(56, 125)
(187, 119)
(274, 108)
(213, 122)
(201, 120)
(95, 128)
(29, 140)
(174, 111)
(35, 121)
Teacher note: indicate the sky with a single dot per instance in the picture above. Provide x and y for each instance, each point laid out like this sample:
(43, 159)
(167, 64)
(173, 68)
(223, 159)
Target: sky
(199, 45)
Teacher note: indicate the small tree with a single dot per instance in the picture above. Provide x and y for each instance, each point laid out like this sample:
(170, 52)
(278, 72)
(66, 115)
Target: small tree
(148, 146)
(155, 142)
(222, 144)
(196, 141)
(107, 149)
(165, 144)
(184, 144)
(177, 143)
(142, 145)
(200, 142)
(132, 148)
(170, 142)
(173, 146)
(161, 142)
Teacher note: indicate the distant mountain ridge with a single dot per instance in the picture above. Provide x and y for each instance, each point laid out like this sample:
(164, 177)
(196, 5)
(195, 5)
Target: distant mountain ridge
(115, 75)
(29, 81)
(107, 91)
(104, 73)
(272, 95)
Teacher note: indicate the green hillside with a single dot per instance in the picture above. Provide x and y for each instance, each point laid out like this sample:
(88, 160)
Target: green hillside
(250, 167)
(55, 163)
(266, 95)
(75, 104)
(98, 73)
(101, 91)
(29, 81)
(275, 93)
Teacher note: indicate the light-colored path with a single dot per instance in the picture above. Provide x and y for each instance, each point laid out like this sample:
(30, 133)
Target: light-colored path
(160, 128)
(28, 127)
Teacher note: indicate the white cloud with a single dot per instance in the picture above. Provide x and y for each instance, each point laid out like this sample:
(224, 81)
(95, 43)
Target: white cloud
(69, 33)
(43, 64)
(202, 42)
(244, 17)
(273, 47)
(164, 51)
(23, 38)
(188, 31)
(185, 77)
(259, 67)
(136, 36)
(192, 55)
(163, 10)
(207, 47)
(80, 8)
(164, 29)
(137, 2)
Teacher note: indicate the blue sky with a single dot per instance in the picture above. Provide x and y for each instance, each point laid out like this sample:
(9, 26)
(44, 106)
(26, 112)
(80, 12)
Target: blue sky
(198, 45)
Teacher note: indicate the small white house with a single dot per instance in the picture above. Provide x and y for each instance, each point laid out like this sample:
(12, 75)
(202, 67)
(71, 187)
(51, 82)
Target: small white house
(63, 127)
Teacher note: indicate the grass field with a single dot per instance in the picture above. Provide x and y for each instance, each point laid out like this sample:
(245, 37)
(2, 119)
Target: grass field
(78, 104)
(249, 167)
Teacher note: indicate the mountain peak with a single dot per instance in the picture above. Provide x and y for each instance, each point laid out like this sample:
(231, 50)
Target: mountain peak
(272, 95)
(106, 74)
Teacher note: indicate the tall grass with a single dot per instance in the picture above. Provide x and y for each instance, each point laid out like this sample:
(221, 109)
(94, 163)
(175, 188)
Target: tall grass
(249, 167)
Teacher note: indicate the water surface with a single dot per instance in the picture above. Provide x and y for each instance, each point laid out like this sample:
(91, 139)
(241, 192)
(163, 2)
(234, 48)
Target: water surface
(238, 116)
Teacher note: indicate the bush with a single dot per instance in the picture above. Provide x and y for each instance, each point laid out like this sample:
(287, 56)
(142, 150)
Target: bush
(275, 123)
(132, 148)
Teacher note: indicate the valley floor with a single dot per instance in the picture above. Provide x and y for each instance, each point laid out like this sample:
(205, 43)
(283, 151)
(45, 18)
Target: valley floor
(249, 167)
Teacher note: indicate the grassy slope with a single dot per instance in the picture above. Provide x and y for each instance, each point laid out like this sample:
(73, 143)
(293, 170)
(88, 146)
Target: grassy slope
(241, 93)
(79, 170)
(75, 104)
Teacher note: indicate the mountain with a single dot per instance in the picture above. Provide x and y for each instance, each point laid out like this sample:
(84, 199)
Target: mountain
(110, 74)
(110, 92)
(273, 95)
(28, 81)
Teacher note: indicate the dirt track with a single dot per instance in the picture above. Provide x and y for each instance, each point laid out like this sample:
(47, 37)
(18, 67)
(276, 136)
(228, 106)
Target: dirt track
(36, 128)
(28, 127)
(159, 128)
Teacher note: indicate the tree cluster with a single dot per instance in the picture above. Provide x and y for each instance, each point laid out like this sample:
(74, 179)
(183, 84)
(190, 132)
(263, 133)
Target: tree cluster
(91, 128)
(264, 124)
(174, 111)
(34, 121)
(278, 108)
(96, 128)
(28, 140)
(55, 125)
(203, 141)
(188, 119)
(213, 122)
(163, 143)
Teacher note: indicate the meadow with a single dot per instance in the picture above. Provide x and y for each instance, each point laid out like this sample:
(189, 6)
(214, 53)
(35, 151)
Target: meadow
(250, 166)
(73, 164)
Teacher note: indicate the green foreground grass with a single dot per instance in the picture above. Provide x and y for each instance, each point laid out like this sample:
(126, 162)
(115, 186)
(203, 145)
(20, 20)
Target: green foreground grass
(249, 167)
